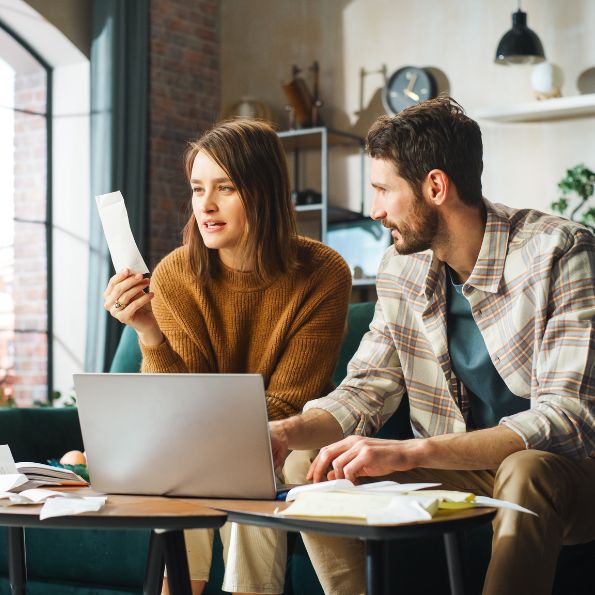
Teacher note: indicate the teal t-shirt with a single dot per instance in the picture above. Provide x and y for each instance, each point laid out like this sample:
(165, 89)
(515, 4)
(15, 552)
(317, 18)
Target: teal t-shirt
(490, 398)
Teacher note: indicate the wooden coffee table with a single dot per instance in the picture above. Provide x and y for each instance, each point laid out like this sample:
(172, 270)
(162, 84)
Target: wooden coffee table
(165, 517)
(376, 537)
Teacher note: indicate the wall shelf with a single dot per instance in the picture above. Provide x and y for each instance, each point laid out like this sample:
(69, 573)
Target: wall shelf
(558, 108)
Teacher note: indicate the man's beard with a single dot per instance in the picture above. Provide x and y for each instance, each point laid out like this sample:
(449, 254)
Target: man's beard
(418, 235)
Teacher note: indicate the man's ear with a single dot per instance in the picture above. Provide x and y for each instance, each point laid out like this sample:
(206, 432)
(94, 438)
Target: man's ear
(437, 186)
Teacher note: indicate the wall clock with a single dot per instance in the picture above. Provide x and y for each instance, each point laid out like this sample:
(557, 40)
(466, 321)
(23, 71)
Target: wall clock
(407, 86)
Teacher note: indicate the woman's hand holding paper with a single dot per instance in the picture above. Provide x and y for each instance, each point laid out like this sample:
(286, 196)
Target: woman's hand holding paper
(126, 300)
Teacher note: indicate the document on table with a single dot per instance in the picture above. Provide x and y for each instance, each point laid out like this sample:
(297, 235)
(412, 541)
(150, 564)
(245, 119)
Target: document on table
(14, 492)
(7, 464)
(11, 482)
(54, 503)
(67, 506)
(382, 502)
(116, 227)
(373, 508)
(341, 485)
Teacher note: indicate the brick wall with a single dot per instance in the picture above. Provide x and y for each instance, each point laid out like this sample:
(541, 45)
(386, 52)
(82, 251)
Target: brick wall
(183, 102)
(29, 285)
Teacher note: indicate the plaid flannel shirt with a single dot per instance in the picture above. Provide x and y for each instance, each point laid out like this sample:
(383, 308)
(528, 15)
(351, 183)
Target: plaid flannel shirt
(532, 295)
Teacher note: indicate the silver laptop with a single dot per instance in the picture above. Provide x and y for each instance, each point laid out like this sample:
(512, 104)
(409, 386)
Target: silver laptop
(176, 434)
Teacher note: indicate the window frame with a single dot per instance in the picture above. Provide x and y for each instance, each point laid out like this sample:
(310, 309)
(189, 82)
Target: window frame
(48, 202)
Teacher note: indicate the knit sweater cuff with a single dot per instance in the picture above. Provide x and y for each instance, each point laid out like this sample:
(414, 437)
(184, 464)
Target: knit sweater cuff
(161, 359)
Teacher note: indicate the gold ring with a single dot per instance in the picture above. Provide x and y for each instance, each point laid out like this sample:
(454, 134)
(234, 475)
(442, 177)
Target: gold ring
(118, 305)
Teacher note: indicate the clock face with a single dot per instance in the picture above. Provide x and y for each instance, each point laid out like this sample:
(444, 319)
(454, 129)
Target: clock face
(407, 86)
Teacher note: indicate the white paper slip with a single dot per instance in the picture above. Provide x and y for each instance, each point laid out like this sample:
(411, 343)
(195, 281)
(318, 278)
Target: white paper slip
(12, 499)
(323, 486)
(339, 505)
(66, 506)
(10, 481)
(485, 501)
(394, 487)
(39, 495)
(344, 484)
(369, 506)
(401, 510)
(32, 496)
(7, 464)
(116, 227)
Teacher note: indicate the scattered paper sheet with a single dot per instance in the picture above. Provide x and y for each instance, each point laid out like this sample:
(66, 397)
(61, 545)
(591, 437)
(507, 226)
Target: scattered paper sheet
(10, 481)
(382, 506)
(116, 227)
(344, 484)
(401, 510)
(341, 505)
(485, 501)
(394, 487)
(451, 499)
(31, 496)
(7, 464)
(372, 507)
(66, 506)
(16, 489)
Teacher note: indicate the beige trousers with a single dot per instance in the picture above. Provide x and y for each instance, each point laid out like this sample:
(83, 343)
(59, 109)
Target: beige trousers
(254, 557)
(525, 548)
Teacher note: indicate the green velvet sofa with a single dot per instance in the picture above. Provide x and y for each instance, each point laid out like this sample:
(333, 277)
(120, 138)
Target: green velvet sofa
(109, 562)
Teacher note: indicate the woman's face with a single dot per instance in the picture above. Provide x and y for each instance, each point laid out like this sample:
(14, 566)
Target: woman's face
(218, 209)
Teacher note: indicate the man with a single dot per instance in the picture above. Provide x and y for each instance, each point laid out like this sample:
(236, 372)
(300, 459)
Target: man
(485, 319)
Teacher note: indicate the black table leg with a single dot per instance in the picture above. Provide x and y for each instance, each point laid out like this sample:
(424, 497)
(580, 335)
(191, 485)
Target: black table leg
(453, 560)
(17, 563)
(176, 560)
(155, 566)
(377, 575)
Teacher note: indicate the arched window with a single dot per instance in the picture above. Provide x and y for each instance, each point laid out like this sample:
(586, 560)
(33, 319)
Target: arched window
(25, 218)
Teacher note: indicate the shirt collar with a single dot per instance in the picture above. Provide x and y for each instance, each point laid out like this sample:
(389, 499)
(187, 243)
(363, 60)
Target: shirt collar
(489, 267)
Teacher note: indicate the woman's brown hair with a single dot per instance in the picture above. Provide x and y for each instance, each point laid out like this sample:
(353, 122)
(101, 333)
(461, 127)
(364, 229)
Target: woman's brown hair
(251, 154)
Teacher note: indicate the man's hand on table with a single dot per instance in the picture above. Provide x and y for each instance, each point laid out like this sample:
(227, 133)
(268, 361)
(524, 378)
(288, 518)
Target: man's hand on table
(357, 456)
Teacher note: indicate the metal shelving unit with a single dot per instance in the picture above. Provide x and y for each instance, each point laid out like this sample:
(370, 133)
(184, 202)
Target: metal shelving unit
(320, 139)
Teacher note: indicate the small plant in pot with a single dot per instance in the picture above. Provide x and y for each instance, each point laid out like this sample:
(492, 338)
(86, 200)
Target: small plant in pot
(577, 185)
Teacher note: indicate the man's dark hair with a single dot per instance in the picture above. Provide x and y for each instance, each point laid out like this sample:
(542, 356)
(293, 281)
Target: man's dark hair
(434, 134)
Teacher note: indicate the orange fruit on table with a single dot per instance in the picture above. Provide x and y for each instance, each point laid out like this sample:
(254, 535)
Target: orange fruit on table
(73, 457)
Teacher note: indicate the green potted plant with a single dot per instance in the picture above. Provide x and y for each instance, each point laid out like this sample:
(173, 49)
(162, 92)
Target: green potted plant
(578, 183)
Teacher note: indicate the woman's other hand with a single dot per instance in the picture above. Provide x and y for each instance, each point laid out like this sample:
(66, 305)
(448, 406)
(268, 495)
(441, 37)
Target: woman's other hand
(127, 302)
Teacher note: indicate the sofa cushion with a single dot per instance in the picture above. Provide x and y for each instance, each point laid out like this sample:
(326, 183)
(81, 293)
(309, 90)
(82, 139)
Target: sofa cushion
(128, 355)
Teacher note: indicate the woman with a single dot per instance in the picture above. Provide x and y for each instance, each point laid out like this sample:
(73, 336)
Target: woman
(243, 294)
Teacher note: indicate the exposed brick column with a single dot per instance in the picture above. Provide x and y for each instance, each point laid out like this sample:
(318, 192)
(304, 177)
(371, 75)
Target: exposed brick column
(30, 262)
(183, 102)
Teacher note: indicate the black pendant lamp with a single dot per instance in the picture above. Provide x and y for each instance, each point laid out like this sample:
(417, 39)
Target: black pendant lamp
(519, 45)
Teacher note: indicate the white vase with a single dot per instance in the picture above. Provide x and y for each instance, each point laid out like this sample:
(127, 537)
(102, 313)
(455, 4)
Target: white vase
(546, 80)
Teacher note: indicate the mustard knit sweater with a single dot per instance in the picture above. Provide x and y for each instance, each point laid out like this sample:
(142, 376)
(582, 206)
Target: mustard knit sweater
(289, 331)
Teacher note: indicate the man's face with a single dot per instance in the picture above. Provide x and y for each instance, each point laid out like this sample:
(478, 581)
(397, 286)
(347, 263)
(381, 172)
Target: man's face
(412, 219)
